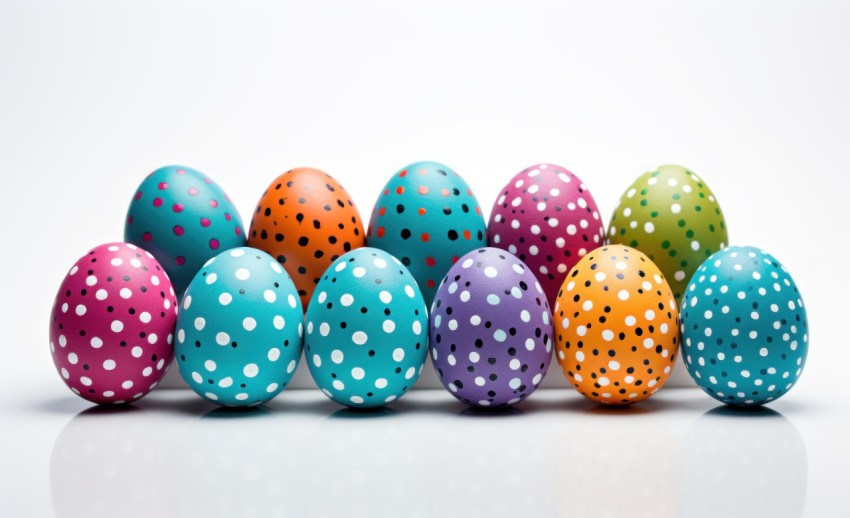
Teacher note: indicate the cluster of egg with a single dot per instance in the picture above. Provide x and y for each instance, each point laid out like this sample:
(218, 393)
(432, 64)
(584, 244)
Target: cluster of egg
(427, 277)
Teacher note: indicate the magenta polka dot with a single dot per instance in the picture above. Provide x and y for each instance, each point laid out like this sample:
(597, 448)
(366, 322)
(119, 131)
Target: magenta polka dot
(178, 207)
(157, 202)
(214, 244)
(138, 195)
(179, 171)
(147, 236)
(205, 222)
(207, 181)
(163, 186)
(178, 230)
(238, 231)
(227, 217)
(129, 220)
(180, 260)
(193, 191)
(214, 204)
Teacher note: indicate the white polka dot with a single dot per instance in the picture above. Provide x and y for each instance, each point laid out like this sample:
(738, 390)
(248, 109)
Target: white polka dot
(211, 278)
(346, 300)
(356, 399)
(607, 335)
(96, 342)
(125, 293)
(225, 299)
(341, 266)
(623, 294)
(409, 373)
(398, 354)
(339, 385)
(117, 326)
(222, 338)
(417, 327)
(237, 252)
(490, 272)
(85, 380)
(359, 337)
(409, 291)
(127, 384)
(291, 366)
(242, 396)
(293, 302)
(493, 299)
(359, 272)
(388, 326)
(200, 323)
(250, 370)
(73, 359)
(136, 352)
(101, 294)
(385, 297)
(145, 317)
(274, 354)
(514, 383)
(270, 296)
(152, 338)
(210, 365)
(197, 377)
(357, 373)
(272, 387)
(676, 208)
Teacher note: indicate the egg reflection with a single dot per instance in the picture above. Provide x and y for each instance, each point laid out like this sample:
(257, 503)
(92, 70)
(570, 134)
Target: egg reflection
(743, 462)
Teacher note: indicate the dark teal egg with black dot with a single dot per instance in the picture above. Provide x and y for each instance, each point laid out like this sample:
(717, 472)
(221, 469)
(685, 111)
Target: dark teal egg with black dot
(745, 334)
(428, 217)
(183, 218)
(366, 337)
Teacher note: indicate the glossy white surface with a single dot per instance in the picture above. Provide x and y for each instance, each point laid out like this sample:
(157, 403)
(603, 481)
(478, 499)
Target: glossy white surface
(555, 454)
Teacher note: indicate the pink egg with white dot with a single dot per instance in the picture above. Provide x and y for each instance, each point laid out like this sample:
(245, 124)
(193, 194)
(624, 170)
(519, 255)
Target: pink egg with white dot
(112, 324)
(547, 217)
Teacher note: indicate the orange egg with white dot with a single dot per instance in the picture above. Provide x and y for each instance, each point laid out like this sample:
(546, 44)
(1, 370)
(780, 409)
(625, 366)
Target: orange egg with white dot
(616, 326)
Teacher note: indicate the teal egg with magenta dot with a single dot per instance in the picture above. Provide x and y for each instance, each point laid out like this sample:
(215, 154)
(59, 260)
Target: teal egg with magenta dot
(239, 329)
(366, 337)
(183, 218)
(428, 217)
(744, 327)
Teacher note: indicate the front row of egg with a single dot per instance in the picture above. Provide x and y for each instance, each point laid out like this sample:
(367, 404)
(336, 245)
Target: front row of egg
(491, 330)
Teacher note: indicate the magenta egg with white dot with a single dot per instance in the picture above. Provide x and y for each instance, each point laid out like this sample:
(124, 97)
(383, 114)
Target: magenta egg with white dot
(491, 329)
(112, 324)
(547, 217)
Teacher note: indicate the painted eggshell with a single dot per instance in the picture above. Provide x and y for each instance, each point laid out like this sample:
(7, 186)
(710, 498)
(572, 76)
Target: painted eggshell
(617, 326)
(547, 217)
(367, 330)
(183, 218)
(491, 329)
(306, 220)
(744, 327)
(672, 216)
(428, 217)
(239, 331)
(112, 324)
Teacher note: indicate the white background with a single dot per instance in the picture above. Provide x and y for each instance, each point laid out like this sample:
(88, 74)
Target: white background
(750, 95)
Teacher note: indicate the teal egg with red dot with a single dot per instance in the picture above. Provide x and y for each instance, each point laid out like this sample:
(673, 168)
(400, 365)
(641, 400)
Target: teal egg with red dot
(183, 218)
(427, 217)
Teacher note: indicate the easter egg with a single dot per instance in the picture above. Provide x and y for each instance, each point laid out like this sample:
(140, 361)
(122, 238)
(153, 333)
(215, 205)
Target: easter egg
(427, 216)
(112, 324)
(744, 327)
(547, 217)
(183, 218)
(672, 216)
(306, 220)
(367, 330)
(616, 325)
(491, 329)
(239, 331)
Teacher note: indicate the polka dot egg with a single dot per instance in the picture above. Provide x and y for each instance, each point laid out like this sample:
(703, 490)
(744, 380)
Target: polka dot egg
(427, 216)
(183, 218)
(239, 332)
(617, 326)
(672, 216)
(306, 220)
(367, 330)
(547, 217)
(112, 324)
(744, 327)
(491, 329)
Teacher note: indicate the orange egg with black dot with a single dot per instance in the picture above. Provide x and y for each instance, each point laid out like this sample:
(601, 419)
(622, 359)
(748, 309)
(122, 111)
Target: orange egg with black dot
(616, 326)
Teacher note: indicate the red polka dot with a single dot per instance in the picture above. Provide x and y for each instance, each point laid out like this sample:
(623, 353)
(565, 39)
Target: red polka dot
(138, 195)
(157, 202)
(227, 216)
(180, 171)
(177, 207)
(147, 236)
(469, 192)
(214, 244)
(163, 186)
(382, 211)
(445, 192)
(214, 204)
(178, 230)
(421, 211)
(129, 220)
(381, 231)
(467, 235)
(399, 190)
(430, 283)
(180, 260)
(403, 173)
(454, 259)
(205, 222)
(423, 189)
(238, 231)
(425, 237)
(478, 210)
(193, 191)
(430, 261)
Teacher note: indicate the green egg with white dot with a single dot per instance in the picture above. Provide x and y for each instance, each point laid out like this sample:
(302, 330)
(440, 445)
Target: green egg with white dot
(672, 216)
(239, 329)
(366, 337)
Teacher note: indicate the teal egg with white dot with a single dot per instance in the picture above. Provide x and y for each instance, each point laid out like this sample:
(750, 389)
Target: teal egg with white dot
(366, 330)
(239, 329)
(744, 327)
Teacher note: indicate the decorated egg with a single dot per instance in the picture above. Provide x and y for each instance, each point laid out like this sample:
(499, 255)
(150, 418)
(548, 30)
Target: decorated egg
(744, 327)
(617, 326)
(367, 330)
(112, 324)
(240, 328)
(491, 329)
(183, 218)
(306, 220)
(547, 217)
(672, 216)
(427, 216)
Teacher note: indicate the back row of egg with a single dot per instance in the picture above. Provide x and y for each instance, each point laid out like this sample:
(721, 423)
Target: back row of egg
(240, 329)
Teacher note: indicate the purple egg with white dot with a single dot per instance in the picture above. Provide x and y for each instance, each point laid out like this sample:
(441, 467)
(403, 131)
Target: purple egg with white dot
(491, 330)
